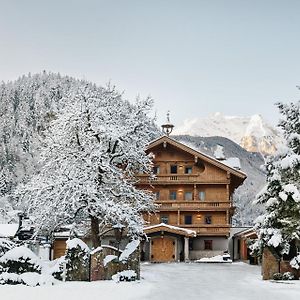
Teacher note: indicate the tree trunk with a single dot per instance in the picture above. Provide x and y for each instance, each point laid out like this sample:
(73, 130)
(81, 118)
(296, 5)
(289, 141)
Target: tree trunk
(95, 232)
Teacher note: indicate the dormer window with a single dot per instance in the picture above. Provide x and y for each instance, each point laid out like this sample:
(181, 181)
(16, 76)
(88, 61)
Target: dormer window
(173, 169)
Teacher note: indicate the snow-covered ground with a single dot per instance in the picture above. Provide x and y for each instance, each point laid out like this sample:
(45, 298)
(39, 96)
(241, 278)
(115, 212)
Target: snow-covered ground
(169, 281)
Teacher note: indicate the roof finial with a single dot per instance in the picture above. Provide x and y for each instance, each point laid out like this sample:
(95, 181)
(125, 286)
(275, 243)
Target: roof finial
(168, 127)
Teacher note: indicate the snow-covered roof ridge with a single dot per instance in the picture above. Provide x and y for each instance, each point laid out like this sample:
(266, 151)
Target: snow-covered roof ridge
(188, 231)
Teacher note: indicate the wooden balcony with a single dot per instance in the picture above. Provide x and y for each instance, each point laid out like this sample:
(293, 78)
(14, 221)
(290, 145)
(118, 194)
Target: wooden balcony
(174, 205)
(182, 178)
(206, 230)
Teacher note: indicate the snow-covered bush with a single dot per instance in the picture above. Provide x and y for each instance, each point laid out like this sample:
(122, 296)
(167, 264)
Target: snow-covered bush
(288, 276)
(77, 260)
(277, 276)
(17, 261)
(283, 276)
(20, 260)
(128, 275)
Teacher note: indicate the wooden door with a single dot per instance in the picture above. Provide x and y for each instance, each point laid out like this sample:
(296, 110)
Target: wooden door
(59, 248)
(162, 249)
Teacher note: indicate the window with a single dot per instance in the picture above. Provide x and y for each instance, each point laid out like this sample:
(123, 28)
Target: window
(188, 170)
(164, 219)
(173, 169)
(207, 219)
(201, 195)
(156, 170)
(157, 195)
(187, 220)
(173, 195)
(188, 196)
(208, 245)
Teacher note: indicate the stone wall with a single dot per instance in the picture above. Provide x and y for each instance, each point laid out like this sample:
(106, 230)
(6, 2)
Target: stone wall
(99, 271)
(270, 264)
(286, 267)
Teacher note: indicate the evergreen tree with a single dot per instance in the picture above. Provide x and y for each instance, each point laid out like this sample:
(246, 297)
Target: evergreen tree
(279, 227)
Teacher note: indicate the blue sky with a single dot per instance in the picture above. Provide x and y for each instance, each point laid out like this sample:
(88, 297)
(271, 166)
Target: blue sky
(193, 57)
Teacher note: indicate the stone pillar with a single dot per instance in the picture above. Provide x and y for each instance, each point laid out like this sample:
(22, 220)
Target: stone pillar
(186, 249)
(44, 251)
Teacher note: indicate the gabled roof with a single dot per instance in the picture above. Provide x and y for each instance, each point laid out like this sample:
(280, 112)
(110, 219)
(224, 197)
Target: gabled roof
(246, 233)
(201, 155)
(170, 229)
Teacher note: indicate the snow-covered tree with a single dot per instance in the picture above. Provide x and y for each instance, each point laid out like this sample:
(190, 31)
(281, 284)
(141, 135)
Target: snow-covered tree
(92, 149)
(279, 227)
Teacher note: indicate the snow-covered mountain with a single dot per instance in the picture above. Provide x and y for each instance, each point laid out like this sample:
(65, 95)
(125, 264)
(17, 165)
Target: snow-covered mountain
(252, 133)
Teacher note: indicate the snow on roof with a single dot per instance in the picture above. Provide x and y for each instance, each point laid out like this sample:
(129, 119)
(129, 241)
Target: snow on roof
(8, 230)
(219, 153)
(188, 231)
(233, 162)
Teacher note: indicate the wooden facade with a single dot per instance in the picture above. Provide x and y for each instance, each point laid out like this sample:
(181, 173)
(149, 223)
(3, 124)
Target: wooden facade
(194, 192)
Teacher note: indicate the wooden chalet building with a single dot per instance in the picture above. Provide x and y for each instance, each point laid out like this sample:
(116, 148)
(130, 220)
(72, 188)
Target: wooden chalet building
(194, 194)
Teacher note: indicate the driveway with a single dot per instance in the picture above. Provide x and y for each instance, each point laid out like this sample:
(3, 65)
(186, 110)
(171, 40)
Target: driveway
(237, 281)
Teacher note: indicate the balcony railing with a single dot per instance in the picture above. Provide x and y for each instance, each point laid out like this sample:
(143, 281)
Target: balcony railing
(182, 178)
(213, 230)
(207, 230)
(192, 205)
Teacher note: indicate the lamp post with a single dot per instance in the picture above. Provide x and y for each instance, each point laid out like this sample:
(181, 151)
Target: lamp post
(168, 127)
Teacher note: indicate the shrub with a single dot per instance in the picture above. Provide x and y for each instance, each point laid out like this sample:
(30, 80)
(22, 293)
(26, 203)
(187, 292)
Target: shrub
(77, 260)
(16, 262)
(288, 276)
(277, 276)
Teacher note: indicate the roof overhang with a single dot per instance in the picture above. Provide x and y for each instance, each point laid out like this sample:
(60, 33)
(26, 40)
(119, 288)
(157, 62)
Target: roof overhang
(239, 175)
(170, 229)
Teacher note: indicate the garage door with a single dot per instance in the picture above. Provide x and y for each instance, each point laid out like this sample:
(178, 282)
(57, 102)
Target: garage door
(59, 248)
(162, 249)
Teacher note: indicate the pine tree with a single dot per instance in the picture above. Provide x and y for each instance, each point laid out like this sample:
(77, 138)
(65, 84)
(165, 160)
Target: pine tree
(279, 227)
